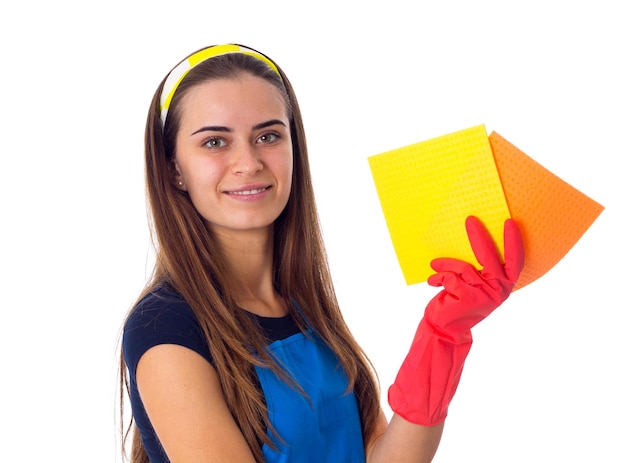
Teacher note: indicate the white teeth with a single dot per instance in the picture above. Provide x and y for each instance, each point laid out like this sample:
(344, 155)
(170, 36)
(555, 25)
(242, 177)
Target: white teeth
(249, 192)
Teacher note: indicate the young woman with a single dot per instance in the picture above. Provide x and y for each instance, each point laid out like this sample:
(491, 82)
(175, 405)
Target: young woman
(237, 351)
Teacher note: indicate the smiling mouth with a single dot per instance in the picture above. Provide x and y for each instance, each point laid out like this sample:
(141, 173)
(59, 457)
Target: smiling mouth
(248, 192)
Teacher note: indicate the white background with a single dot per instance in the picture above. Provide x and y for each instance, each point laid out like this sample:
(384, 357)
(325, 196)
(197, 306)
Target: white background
(544, 381)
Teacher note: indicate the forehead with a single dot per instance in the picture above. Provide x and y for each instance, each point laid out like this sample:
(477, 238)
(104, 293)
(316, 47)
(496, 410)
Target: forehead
(244, 95)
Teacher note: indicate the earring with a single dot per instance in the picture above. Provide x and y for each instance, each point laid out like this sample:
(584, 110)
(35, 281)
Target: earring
(180, 183)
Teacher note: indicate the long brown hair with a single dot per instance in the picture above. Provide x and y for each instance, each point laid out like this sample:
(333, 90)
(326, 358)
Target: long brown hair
(188, 259)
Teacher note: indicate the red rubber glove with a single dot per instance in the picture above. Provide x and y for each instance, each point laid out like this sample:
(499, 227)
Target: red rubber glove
(430, 373)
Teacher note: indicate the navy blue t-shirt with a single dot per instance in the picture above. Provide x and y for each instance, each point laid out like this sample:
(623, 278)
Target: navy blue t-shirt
(163, 317)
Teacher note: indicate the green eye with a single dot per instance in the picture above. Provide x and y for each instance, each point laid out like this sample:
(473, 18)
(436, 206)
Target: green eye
(268, 138)
(215, 142)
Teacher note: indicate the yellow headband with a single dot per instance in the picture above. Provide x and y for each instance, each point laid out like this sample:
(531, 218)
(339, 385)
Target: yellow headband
(177, 74)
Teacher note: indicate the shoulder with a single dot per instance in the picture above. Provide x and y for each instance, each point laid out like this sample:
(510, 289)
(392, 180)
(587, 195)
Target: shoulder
(160, 305)
(159, 312)
(161, 317)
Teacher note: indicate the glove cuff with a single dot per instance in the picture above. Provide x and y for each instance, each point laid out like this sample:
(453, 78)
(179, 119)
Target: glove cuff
(428, 377)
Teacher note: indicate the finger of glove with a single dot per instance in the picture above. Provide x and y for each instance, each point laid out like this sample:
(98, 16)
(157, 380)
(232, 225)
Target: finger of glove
(452, 271)
(513, 250)
(484, 247)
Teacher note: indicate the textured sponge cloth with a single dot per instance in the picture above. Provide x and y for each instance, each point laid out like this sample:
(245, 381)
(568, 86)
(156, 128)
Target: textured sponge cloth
(428, 189)
(551, 214)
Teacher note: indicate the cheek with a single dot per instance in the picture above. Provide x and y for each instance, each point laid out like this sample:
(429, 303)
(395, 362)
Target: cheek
(289, 167)
(202, 173)
(201, 179)
(288, 174)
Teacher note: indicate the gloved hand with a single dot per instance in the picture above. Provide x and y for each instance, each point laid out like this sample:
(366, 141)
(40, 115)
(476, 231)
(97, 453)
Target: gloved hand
(430, 373)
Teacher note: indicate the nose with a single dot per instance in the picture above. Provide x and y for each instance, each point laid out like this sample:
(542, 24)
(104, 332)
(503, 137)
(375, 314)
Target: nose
(246, 161)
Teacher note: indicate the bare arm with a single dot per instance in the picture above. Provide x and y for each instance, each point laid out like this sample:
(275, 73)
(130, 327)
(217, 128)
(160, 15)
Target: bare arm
(403, 442)
(183, 398)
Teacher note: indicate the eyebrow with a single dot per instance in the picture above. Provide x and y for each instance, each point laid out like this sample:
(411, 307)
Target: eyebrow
(221, 128)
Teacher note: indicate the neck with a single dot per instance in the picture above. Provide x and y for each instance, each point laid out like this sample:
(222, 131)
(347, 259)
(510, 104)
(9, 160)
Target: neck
(249, 255)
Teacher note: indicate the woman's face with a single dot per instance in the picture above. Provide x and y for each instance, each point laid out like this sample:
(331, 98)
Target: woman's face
(234, 154)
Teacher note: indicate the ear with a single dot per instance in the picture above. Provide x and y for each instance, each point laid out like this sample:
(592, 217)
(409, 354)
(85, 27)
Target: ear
(177, 177)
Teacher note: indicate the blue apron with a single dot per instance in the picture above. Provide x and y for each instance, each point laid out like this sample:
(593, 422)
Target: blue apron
(323, 426)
